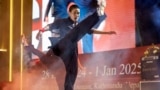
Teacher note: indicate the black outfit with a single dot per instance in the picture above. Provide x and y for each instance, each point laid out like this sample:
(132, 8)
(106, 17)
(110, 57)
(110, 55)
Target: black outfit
(66, 50)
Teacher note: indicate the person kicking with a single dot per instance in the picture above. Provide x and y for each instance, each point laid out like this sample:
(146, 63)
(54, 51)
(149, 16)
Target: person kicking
(65, 53)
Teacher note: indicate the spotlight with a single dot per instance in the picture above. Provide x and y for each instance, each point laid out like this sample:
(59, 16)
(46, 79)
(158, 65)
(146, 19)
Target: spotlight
(3, 50)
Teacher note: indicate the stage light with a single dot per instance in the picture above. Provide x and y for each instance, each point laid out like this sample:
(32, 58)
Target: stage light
(11, 40)
(3, 50)
(21, 54)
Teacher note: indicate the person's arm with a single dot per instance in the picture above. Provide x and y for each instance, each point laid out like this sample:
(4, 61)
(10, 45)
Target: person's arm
(39, 34)
(47, 10)
(52, 26)
(46, 28)
(95, 31)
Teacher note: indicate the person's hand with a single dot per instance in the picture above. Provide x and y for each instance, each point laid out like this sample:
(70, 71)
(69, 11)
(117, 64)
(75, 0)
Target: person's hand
(102, 3)
(46, 19)
(39, 35)
(101, 7)
(24, 40)
(112, 32)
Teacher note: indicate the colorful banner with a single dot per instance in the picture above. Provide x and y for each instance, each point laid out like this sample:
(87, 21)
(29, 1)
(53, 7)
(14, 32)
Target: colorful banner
(116, 10)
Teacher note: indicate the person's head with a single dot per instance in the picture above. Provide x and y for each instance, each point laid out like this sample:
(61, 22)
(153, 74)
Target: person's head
(74, 12)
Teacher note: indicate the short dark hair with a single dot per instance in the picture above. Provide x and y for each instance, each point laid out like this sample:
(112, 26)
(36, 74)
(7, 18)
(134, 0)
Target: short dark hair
(73, 7)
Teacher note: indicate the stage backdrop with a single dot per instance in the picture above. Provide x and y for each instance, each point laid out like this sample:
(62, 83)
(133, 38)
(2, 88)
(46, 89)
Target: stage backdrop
(115, 62)
(120, 18)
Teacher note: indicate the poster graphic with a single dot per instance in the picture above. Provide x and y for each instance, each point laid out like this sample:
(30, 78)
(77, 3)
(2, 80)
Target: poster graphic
(120, 18)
